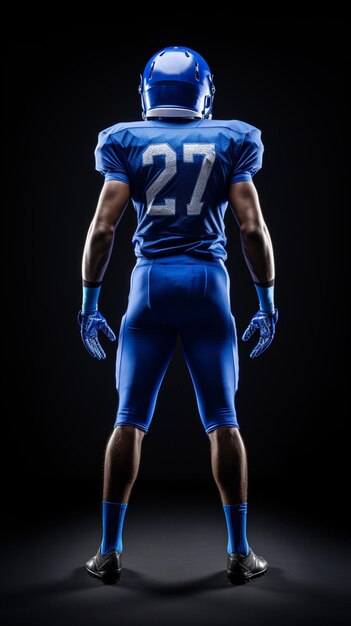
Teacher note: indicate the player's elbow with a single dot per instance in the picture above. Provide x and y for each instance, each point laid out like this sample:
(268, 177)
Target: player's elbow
(102, 233)
(252, 231)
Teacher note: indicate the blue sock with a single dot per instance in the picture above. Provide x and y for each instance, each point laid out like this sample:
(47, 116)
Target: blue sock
(235, 516)
(112, 526)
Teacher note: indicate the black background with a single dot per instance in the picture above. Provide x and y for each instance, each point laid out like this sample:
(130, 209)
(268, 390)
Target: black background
(286, 78)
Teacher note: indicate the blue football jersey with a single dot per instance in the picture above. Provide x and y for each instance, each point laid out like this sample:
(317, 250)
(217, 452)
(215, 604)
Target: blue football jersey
(179, 174)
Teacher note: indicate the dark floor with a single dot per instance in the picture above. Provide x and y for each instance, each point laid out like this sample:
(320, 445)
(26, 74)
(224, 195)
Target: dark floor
(174, 569)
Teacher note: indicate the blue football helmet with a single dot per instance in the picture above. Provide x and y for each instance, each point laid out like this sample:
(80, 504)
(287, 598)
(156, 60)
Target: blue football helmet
(177, 82)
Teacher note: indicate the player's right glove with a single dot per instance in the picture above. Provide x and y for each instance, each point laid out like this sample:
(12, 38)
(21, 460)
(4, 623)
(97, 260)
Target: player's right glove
(90, 324)
(265, 324)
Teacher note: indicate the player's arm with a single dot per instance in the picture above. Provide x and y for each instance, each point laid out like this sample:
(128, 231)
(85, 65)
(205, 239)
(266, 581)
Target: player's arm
(258, 252)
(255, 239)
(99, 242)
(97, 251)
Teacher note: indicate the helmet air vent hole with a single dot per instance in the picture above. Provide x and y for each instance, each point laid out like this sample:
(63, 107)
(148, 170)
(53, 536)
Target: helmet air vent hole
(151, 69)
(197, 73)
(162, 53)
(186, 53)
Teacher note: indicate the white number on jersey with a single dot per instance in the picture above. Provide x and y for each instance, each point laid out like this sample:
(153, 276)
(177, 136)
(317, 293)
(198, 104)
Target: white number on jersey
(189, 151)
(170, 170)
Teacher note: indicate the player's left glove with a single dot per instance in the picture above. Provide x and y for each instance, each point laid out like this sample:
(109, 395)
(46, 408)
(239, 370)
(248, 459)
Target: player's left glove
(265, 324)
(90, 324)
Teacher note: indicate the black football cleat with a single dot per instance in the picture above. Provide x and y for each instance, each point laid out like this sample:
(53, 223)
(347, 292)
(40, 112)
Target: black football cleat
(241, 568)
(106, 567)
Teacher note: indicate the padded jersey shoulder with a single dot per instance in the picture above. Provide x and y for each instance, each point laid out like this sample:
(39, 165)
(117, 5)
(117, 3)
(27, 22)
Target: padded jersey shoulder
(236, 126)
(241, 131)
(120, 126)
(114, 131)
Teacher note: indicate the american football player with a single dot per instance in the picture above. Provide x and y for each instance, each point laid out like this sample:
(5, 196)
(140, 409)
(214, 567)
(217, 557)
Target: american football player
(181, 169)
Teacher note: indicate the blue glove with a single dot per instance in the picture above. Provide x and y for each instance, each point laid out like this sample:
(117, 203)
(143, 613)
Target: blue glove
(90, 324)
(265, 323)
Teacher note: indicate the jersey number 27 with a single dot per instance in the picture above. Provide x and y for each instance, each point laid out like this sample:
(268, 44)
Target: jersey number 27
(170, 170)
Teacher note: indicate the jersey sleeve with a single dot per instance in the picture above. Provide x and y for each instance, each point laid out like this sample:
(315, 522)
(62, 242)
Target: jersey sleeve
(109, 159)
(249, 157)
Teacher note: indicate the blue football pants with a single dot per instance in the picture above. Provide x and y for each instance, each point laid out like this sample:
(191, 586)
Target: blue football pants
(170, 297)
